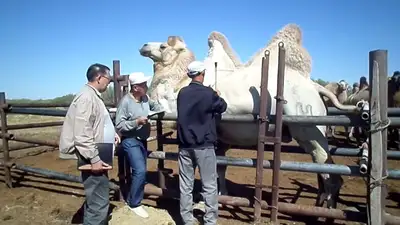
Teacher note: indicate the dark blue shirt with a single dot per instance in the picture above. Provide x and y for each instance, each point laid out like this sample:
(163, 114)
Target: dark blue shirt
(197, 108)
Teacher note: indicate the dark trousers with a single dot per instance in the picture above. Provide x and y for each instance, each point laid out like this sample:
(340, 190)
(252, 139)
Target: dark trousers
(97, 198)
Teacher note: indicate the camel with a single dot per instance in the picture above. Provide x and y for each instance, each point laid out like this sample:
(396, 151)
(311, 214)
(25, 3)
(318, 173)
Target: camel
(339, 89)
(393, 101)
(242, 96)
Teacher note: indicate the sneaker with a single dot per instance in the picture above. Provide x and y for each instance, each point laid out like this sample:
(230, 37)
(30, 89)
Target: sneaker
(140, 211)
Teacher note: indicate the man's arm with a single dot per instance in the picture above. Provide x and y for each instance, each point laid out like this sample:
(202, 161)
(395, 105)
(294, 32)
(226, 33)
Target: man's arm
(123, 121)
(83, 130)
(218, 104)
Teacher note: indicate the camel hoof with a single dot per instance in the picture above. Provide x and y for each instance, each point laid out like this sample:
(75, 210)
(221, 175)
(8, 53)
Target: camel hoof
(321, 199)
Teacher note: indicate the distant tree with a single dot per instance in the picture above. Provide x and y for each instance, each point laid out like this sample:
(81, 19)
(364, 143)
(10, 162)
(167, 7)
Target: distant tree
(108, 95)
(321, 82)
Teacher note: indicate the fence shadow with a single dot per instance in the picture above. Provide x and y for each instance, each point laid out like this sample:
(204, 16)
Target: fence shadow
(394, 196)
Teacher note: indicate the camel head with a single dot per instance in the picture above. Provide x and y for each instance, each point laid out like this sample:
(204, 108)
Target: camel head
(170, 59)
(164, 53)
(395, 81)
(342, 86)
(396, 77)
(363, 82)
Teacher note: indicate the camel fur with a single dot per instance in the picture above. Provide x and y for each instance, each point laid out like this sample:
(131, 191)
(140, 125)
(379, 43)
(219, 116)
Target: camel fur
(297, 57)
(240, 89)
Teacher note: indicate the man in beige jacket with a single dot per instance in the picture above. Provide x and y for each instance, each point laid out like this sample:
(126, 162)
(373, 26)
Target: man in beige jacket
(86, 124)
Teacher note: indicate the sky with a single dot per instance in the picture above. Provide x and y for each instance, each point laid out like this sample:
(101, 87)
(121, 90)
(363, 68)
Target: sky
(46, 46)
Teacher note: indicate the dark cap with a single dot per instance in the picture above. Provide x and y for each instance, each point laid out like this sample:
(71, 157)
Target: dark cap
(98, 69)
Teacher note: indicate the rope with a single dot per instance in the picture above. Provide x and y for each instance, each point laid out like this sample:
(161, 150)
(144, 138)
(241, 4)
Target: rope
(380, 125)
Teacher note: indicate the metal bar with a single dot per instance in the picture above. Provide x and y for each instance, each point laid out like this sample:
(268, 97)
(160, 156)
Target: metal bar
(285, 165)
(42, 105)
(376, 200)
(21, 147)
(352, 152)
(53, 174)
(40, 112)
(5, 147)
(262, 124)
(116, 75)
(14, 137)
(356, 152)
(350, 120)
(160, 148)
(278, 133)
(335, 112)
(34, 125)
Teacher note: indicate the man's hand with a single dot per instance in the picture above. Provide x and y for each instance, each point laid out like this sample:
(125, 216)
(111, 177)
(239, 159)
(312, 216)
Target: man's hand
(100, 166)
(117, 139)
(141, 120)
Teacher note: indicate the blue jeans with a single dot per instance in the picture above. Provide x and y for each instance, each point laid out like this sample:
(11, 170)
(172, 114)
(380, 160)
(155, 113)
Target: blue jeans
(136, 153)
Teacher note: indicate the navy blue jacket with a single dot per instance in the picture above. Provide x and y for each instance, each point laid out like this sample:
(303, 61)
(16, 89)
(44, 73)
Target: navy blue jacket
(197, 107)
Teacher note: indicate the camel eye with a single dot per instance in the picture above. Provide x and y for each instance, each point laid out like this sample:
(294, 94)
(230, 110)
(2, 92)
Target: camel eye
(162, 47)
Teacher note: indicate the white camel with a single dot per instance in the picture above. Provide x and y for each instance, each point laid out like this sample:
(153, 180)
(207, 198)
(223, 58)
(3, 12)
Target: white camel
(339, 89)
(240, 89)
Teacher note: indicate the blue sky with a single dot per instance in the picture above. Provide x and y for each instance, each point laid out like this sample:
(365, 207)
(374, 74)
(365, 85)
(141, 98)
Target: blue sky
(47, 45)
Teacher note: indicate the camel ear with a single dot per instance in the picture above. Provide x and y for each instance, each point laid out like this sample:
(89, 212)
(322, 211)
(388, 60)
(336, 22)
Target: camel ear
(176, 42)
(172, 40)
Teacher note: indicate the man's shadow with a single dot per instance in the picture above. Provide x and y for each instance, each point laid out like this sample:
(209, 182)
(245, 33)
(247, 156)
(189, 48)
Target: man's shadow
(78, 216)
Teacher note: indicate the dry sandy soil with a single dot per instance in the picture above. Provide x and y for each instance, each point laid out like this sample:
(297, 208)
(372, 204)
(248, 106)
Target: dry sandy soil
(38, 200)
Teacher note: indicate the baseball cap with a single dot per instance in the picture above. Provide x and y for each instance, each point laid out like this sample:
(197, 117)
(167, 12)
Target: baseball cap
(195, 68)
(138, 78)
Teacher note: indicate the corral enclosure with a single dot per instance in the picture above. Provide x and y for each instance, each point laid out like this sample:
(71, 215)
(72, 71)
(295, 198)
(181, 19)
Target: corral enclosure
(39, 200)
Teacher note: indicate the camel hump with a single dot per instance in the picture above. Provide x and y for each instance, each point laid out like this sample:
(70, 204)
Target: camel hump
(290, 32)
(218, 36)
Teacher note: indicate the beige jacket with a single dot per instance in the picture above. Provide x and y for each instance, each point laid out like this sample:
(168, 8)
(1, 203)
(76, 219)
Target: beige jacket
(84, 125)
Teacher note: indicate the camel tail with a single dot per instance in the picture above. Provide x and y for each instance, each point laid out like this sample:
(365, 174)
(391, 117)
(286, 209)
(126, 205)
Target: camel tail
(325, 92)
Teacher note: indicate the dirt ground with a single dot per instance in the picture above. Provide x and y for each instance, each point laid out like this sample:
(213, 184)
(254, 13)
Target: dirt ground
(38, 200)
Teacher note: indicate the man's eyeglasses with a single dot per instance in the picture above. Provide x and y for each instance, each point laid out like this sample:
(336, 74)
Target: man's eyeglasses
(104, 73)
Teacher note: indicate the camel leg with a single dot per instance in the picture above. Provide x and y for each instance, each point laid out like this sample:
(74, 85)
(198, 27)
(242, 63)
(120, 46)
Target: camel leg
(221, 150)
(333, 130)
(318, 148)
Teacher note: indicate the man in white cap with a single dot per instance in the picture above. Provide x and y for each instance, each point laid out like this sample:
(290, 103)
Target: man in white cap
(196, 130)
(132, 124)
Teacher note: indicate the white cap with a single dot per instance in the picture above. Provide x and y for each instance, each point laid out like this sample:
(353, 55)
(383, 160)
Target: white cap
(138, 78)
(195, 67)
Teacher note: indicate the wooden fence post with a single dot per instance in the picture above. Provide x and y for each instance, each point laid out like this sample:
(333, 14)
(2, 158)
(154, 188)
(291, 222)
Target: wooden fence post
(6, 154)
(378, 136)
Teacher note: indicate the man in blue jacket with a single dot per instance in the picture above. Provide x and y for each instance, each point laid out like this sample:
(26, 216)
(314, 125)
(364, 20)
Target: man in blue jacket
(196, 128)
